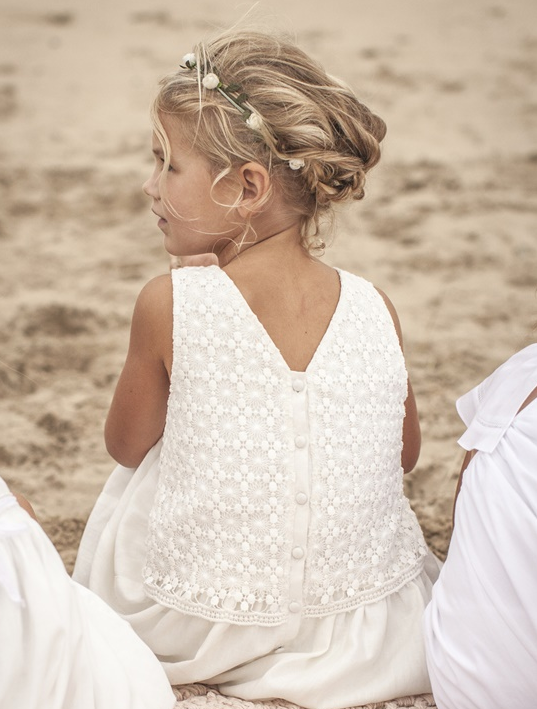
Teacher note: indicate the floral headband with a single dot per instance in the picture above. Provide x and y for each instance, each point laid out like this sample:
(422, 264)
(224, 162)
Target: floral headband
(237, 99)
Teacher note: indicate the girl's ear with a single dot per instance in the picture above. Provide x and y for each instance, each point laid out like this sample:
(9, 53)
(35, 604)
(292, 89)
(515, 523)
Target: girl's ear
(255, 182)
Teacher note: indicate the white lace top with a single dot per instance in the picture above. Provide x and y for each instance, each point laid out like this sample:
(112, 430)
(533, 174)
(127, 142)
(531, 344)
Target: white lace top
(280, 493)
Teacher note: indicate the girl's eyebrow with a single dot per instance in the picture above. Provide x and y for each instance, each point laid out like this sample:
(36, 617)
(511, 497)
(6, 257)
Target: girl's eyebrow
(158, 152)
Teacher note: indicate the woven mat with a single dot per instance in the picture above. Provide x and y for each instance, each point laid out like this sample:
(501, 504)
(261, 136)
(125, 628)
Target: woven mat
(193, 696)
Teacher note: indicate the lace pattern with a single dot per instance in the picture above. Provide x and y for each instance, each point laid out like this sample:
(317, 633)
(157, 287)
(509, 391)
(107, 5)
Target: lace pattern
(223, 528)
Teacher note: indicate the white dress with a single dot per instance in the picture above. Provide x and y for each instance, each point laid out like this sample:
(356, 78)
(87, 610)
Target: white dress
(481, 625)
(61, 646)
(265, 545)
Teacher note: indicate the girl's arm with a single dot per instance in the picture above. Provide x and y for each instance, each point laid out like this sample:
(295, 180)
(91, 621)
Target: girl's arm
(465, 463)
(23, 502)
(411, 422)
(137, 414)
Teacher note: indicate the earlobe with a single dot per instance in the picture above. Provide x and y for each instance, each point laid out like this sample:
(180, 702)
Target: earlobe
(255, 182)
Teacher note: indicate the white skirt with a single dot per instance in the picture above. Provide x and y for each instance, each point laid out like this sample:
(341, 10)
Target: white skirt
(373, 653)
(61, 647)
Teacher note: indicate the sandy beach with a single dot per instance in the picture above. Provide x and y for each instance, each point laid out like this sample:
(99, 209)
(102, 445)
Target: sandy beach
(447, 229)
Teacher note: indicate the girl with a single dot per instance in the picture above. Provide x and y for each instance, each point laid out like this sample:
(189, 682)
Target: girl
(61, 646)
(262, 542)
(481, 625)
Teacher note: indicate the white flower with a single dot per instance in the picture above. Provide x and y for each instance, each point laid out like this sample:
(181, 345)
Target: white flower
(254, 121)
(210, 81)
(189, 60)
(296, 163)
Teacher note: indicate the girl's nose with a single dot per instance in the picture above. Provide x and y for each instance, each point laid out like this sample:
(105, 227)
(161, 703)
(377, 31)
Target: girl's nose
(151, 186)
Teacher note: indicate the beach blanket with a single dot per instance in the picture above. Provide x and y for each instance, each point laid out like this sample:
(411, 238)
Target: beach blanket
(193, 696)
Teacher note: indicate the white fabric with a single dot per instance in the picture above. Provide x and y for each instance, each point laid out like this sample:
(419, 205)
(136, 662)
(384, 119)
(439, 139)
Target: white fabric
(227, 538)
(60, 645)
(481, 625)
(371, 653)
(490, 408)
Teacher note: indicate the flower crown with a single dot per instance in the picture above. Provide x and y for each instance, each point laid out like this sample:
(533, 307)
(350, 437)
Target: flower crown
(237, 99)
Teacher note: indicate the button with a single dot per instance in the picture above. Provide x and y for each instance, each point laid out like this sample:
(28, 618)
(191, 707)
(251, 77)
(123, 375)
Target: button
(298, 385)
(294, 607)
(301, 498)
(297, 553)
(300, 441)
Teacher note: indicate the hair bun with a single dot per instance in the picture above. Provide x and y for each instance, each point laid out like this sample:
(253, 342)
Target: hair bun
(305, 116)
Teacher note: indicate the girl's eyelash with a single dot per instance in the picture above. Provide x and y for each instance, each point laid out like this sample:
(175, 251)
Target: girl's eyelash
(162, 161)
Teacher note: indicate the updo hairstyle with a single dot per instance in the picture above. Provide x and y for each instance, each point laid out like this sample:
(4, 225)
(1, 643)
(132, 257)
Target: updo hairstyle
(305, 114)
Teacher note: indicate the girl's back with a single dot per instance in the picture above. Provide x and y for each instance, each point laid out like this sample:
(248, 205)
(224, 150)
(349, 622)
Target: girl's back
(293, 295)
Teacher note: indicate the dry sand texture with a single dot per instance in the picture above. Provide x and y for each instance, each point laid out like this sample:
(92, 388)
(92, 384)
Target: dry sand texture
(447, 228)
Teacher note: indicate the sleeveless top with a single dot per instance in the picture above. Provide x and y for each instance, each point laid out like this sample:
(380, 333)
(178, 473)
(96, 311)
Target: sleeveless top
(280, 493)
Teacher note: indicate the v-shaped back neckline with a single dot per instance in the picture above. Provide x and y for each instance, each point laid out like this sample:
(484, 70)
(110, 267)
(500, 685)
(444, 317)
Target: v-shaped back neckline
(264, 332)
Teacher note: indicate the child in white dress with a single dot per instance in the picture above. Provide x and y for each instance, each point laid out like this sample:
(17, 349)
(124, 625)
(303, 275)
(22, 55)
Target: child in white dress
(481, 625)
(61, 646)
(255, 533)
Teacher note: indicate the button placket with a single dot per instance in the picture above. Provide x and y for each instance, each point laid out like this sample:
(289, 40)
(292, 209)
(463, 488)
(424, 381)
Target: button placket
(302, 488)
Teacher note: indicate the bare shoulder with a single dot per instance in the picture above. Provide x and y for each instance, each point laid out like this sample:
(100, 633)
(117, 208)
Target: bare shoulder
(152, 320)
(393, 313)
(157, 290)
(155, 302)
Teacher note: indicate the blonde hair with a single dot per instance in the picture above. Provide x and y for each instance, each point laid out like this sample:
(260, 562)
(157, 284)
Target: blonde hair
(305, 114)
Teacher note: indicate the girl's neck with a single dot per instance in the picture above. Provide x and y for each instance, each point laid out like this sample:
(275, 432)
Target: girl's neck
(284, 241)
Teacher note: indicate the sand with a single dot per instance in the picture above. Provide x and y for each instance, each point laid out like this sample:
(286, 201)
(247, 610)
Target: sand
(447, 229)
